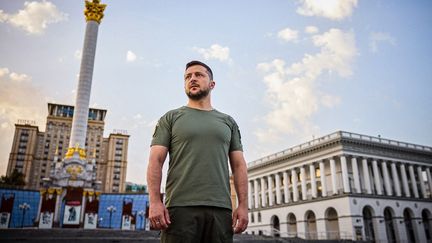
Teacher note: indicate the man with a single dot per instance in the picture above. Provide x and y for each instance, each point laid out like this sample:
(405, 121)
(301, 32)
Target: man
(199, 140)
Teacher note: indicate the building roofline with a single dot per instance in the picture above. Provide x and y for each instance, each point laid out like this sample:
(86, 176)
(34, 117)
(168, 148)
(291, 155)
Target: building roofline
(338, 136)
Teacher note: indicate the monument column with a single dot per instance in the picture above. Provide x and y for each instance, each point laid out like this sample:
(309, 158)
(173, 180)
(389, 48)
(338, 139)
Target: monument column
(94, 14)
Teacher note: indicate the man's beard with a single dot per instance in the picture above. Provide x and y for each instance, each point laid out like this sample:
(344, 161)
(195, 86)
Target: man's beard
(199, 95)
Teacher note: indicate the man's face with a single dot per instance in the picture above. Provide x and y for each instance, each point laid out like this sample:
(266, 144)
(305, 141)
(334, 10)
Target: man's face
(197, 82)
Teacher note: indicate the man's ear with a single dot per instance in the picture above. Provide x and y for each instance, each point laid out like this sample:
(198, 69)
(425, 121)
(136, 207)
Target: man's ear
(212, 84)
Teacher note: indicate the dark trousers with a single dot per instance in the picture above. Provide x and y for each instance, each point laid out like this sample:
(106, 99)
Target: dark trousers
(199, 224)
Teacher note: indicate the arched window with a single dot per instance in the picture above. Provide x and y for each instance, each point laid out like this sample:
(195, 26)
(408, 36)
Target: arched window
(292, 225)
(426, 218)
(389, 224)
(332, 223)
(368, 215)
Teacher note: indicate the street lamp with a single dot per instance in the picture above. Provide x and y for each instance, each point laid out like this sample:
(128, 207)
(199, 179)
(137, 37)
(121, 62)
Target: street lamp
(24, 207)
(141, 215)
(111, 209)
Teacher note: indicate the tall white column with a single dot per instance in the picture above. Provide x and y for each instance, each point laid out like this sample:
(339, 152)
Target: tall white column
(263, 194)
(413, 181)
(333, 175)
(278, 189)
(396, 179)
(422, 185)
(323, 179)
(355, 175)
(366, 176)
(386, 176)
(429, 178)
(250, 194)
(313, 180)
(303, 182)
(345, 180)
(405, 185)
(294, 185)
(256, 193)
(81, 109)
(287, 194)
(270, 189)
(377, 177)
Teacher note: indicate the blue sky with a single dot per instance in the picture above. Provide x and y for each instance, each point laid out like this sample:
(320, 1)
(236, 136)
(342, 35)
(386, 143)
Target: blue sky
(287, 71)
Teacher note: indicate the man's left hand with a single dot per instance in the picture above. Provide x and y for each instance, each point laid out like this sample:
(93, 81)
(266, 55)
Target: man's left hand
(240, 219)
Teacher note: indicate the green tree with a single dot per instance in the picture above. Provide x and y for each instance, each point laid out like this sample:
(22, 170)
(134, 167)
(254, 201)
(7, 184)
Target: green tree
(14, 179)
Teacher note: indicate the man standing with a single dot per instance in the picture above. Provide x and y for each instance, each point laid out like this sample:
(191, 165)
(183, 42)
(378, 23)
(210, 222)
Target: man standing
(199, 140)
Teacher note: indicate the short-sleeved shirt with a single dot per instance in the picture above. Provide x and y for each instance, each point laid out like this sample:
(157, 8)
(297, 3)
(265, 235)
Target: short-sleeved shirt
(198, 143)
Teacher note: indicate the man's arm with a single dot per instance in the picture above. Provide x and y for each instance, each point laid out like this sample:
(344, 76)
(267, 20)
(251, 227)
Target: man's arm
(239, 170)
(158, 214)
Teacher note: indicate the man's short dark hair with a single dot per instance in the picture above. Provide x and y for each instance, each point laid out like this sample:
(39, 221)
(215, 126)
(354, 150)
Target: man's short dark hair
(194, 63)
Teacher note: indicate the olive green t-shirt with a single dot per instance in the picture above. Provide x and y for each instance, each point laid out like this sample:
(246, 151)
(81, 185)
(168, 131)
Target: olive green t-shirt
(198, 143)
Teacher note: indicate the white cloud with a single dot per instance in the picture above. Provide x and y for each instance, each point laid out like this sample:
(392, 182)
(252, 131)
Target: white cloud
(35, 17)
(130, 56)
(216, 52)
(380, 37)
(332, 9)
(311, 29)
(78, 54)
(19, 99)
(288, 34)
(19, 77)
(292, 90)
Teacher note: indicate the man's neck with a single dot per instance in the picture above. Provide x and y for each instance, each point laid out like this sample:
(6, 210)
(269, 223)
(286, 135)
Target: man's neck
(203, 104)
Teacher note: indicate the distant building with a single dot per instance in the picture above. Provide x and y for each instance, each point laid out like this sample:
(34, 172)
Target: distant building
(34, 152)
(344, 186)
(136, 188)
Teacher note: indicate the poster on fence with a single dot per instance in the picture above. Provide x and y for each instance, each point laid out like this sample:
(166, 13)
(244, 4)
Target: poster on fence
(72, 214)
(90, 221)
(46, 220)
(4, 220)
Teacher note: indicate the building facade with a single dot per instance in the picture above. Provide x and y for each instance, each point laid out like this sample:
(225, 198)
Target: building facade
(344, 186)
(35, 153)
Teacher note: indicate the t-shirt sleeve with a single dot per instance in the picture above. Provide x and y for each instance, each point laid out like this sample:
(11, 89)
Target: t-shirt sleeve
(162, 132)
(235, 144)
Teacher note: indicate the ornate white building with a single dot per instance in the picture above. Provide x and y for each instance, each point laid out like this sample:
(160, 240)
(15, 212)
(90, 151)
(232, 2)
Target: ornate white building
(344, 186)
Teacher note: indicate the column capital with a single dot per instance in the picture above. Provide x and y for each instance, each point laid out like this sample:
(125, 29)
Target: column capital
(94, 10)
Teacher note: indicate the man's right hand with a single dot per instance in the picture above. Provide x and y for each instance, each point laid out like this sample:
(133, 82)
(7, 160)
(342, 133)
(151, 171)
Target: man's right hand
(158, 216)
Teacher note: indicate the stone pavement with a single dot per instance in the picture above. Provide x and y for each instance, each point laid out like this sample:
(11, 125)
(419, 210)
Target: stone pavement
(101, 235)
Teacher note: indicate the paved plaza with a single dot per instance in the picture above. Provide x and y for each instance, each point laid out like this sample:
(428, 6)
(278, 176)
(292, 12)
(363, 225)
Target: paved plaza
(107, 235)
